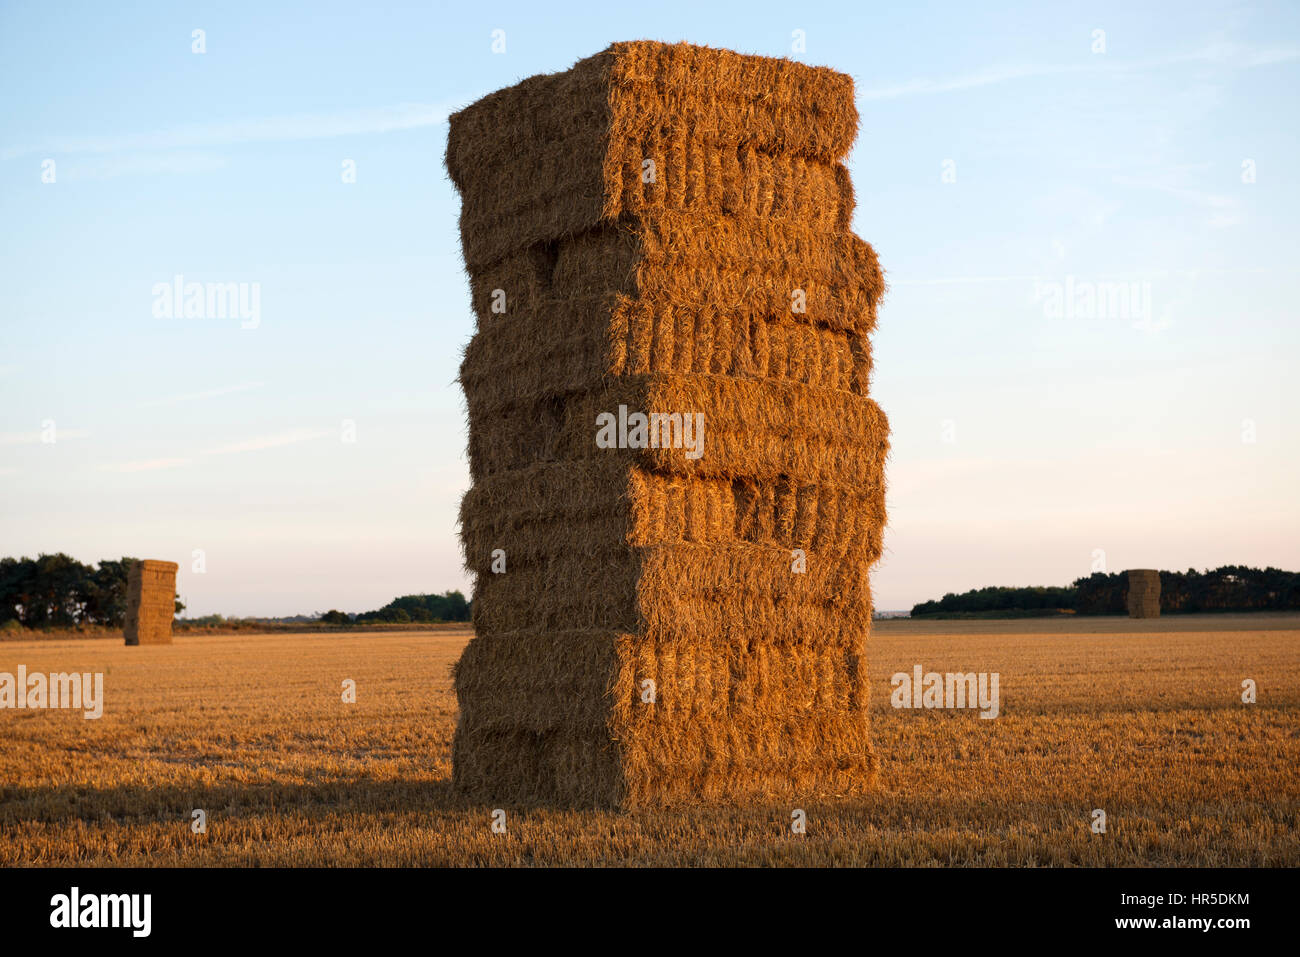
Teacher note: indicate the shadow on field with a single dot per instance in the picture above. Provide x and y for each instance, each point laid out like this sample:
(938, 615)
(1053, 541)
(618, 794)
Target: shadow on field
(133, 802)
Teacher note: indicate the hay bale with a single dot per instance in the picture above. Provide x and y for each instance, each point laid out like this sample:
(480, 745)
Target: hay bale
(744, 589)
(150, 602)
(763, 429)
(562, 347)
(558, 716)
(681, 259)
(668, 294)
(555, 155)
(553, 509)
(1143, 596)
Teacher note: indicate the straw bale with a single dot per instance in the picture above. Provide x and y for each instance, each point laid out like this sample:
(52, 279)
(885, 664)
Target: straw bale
(745, 589)
(567, 345)
(667, 295)
(559, 508)
(150, 602)
(769, 430)
(729, 720)
(682, 259)
(1143, 597)
(559, 153)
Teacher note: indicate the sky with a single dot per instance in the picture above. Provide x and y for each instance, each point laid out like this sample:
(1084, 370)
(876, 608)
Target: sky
(1088, 217)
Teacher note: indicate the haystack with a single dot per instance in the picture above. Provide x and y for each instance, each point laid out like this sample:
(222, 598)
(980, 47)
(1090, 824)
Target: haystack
(1143, 599)
(681, 614)
(150, 602)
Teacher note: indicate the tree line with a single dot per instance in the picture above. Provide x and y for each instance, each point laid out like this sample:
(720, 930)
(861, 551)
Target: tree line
(57, 591)
(449, 606)
(1229, 588)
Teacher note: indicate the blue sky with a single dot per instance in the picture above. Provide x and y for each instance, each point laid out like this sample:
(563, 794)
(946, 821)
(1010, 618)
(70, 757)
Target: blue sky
(1003, 163)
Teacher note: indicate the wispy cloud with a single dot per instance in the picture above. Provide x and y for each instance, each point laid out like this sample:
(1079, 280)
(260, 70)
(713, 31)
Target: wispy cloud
(269, 441)
(134, 164)
(206, 394)
(148, 465)
(955, 280)
(32, 438)
(301, 126)
(1229, 56)
(1224, 209)
(254, 444)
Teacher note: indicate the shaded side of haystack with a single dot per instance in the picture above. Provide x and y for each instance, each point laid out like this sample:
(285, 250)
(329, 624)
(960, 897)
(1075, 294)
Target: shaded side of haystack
(1143, 597)
(690, 719)
(559, 153)
(150, 602)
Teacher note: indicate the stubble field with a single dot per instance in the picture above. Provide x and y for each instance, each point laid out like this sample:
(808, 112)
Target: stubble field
(1143, 720)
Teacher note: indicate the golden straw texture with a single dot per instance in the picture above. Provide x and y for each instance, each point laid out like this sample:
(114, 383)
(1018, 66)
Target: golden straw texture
(678, 473)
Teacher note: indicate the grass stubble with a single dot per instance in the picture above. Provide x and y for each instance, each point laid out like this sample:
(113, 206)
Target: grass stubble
(1144, 720)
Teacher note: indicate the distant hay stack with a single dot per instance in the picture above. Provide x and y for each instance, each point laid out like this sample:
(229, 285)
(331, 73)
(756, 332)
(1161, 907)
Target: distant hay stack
(663, 230)
(1143, 593)
(150, 602)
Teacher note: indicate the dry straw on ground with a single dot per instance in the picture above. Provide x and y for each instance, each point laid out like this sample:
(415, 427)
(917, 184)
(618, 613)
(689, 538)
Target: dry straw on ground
(665, 228)
(1143, 599)
(1142, 718)
(150, 602)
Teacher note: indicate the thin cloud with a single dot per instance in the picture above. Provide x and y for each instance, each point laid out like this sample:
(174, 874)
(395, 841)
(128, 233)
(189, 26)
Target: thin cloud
(269, 441)
(302, 126)
(135, 164)
(148, 465)
(250, 445)
(32, 438)
(1225, 210)
(1225, 55)
(206, 394)
(954, 280)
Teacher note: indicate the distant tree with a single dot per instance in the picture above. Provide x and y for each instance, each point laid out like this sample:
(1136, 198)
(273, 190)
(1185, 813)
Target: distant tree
(449, 606)
(1229, 588)
(48, 591)
(1035, 598)
(53, 591)
(1101, 594)
(336, 617)
(106, 601)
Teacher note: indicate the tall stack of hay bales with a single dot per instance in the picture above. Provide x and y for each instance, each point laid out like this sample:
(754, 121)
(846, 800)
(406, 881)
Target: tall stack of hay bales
(670, 608)
(150, 602)
(1143, 593)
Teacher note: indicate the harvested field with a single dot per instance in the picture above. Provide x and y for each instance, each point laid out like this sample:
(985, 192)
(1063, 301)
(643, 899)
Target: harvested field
(1141, 718)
